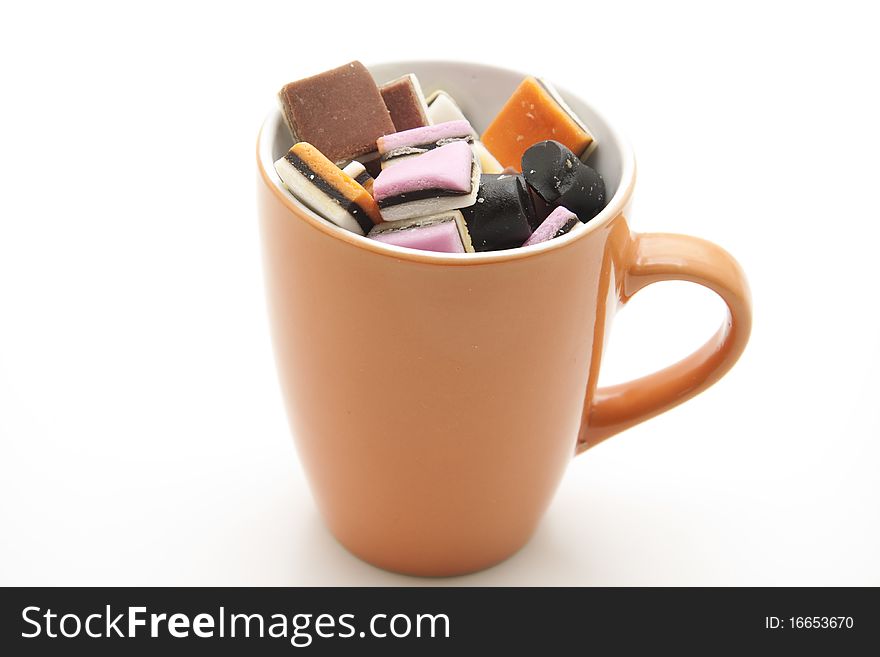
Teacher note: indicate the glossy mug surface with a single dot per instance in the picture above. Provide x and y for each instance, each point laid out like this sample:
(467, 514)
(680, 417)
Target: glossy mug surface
(436, 399)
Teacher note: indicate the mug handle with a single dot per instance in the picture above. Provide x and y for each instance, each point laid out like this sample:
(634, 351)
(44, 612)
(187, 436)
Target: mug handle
(658, 257)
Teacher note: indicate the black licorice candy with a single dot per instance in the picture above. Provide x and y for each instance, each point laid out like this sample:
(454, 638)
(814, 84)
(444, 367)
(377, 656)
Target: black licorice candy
(503, 216)
(560, 178)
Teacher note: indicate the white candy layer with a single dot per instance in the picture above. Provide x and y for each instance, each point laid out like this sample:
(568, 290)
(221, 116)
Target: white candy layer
(308, 193)
(487, 161)
(442, 108)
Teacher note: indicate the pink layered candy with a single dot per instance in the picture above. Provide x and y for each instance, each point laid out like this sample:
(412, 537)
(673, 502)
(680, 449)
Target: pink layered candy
(445, 232)
(557, 223)
(426, 136)
(442, 237)
(448, 168)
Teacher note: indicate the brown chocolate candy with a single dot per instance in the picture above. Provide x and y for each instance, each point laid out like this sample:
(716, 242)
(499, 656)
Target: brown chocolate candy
(404, 100)
(339, 111)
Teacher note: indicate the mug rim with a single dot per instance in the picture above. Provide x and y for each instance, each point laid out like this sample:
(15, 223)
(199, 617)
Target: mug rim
(614, 206)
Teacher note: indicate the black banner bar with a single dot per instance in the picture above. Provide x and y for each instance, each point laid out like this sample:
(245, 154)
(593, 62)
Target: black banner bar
(430, 621)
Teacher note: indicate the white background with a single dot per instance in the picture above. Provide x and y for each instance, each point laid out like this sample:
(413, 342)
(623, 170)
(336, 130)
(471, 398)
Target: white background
(143, 435)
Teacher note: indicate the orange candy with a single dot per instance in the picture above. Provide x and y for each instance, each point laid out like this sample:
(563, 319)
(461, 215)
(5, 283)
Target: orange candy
(531, 115)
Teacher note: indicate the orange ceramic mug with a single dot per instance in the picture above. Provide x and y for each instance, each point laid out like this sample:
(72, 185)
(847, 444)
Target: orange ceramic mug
(436, 399)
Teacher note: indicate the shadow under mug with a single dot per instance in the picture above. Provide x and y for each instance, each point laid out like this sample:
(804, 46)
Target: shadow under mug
(436, 399)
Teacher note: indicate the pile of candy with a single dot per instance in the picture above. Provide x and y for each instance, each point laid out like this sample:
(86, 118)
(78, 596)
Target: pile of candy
(385, 163)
